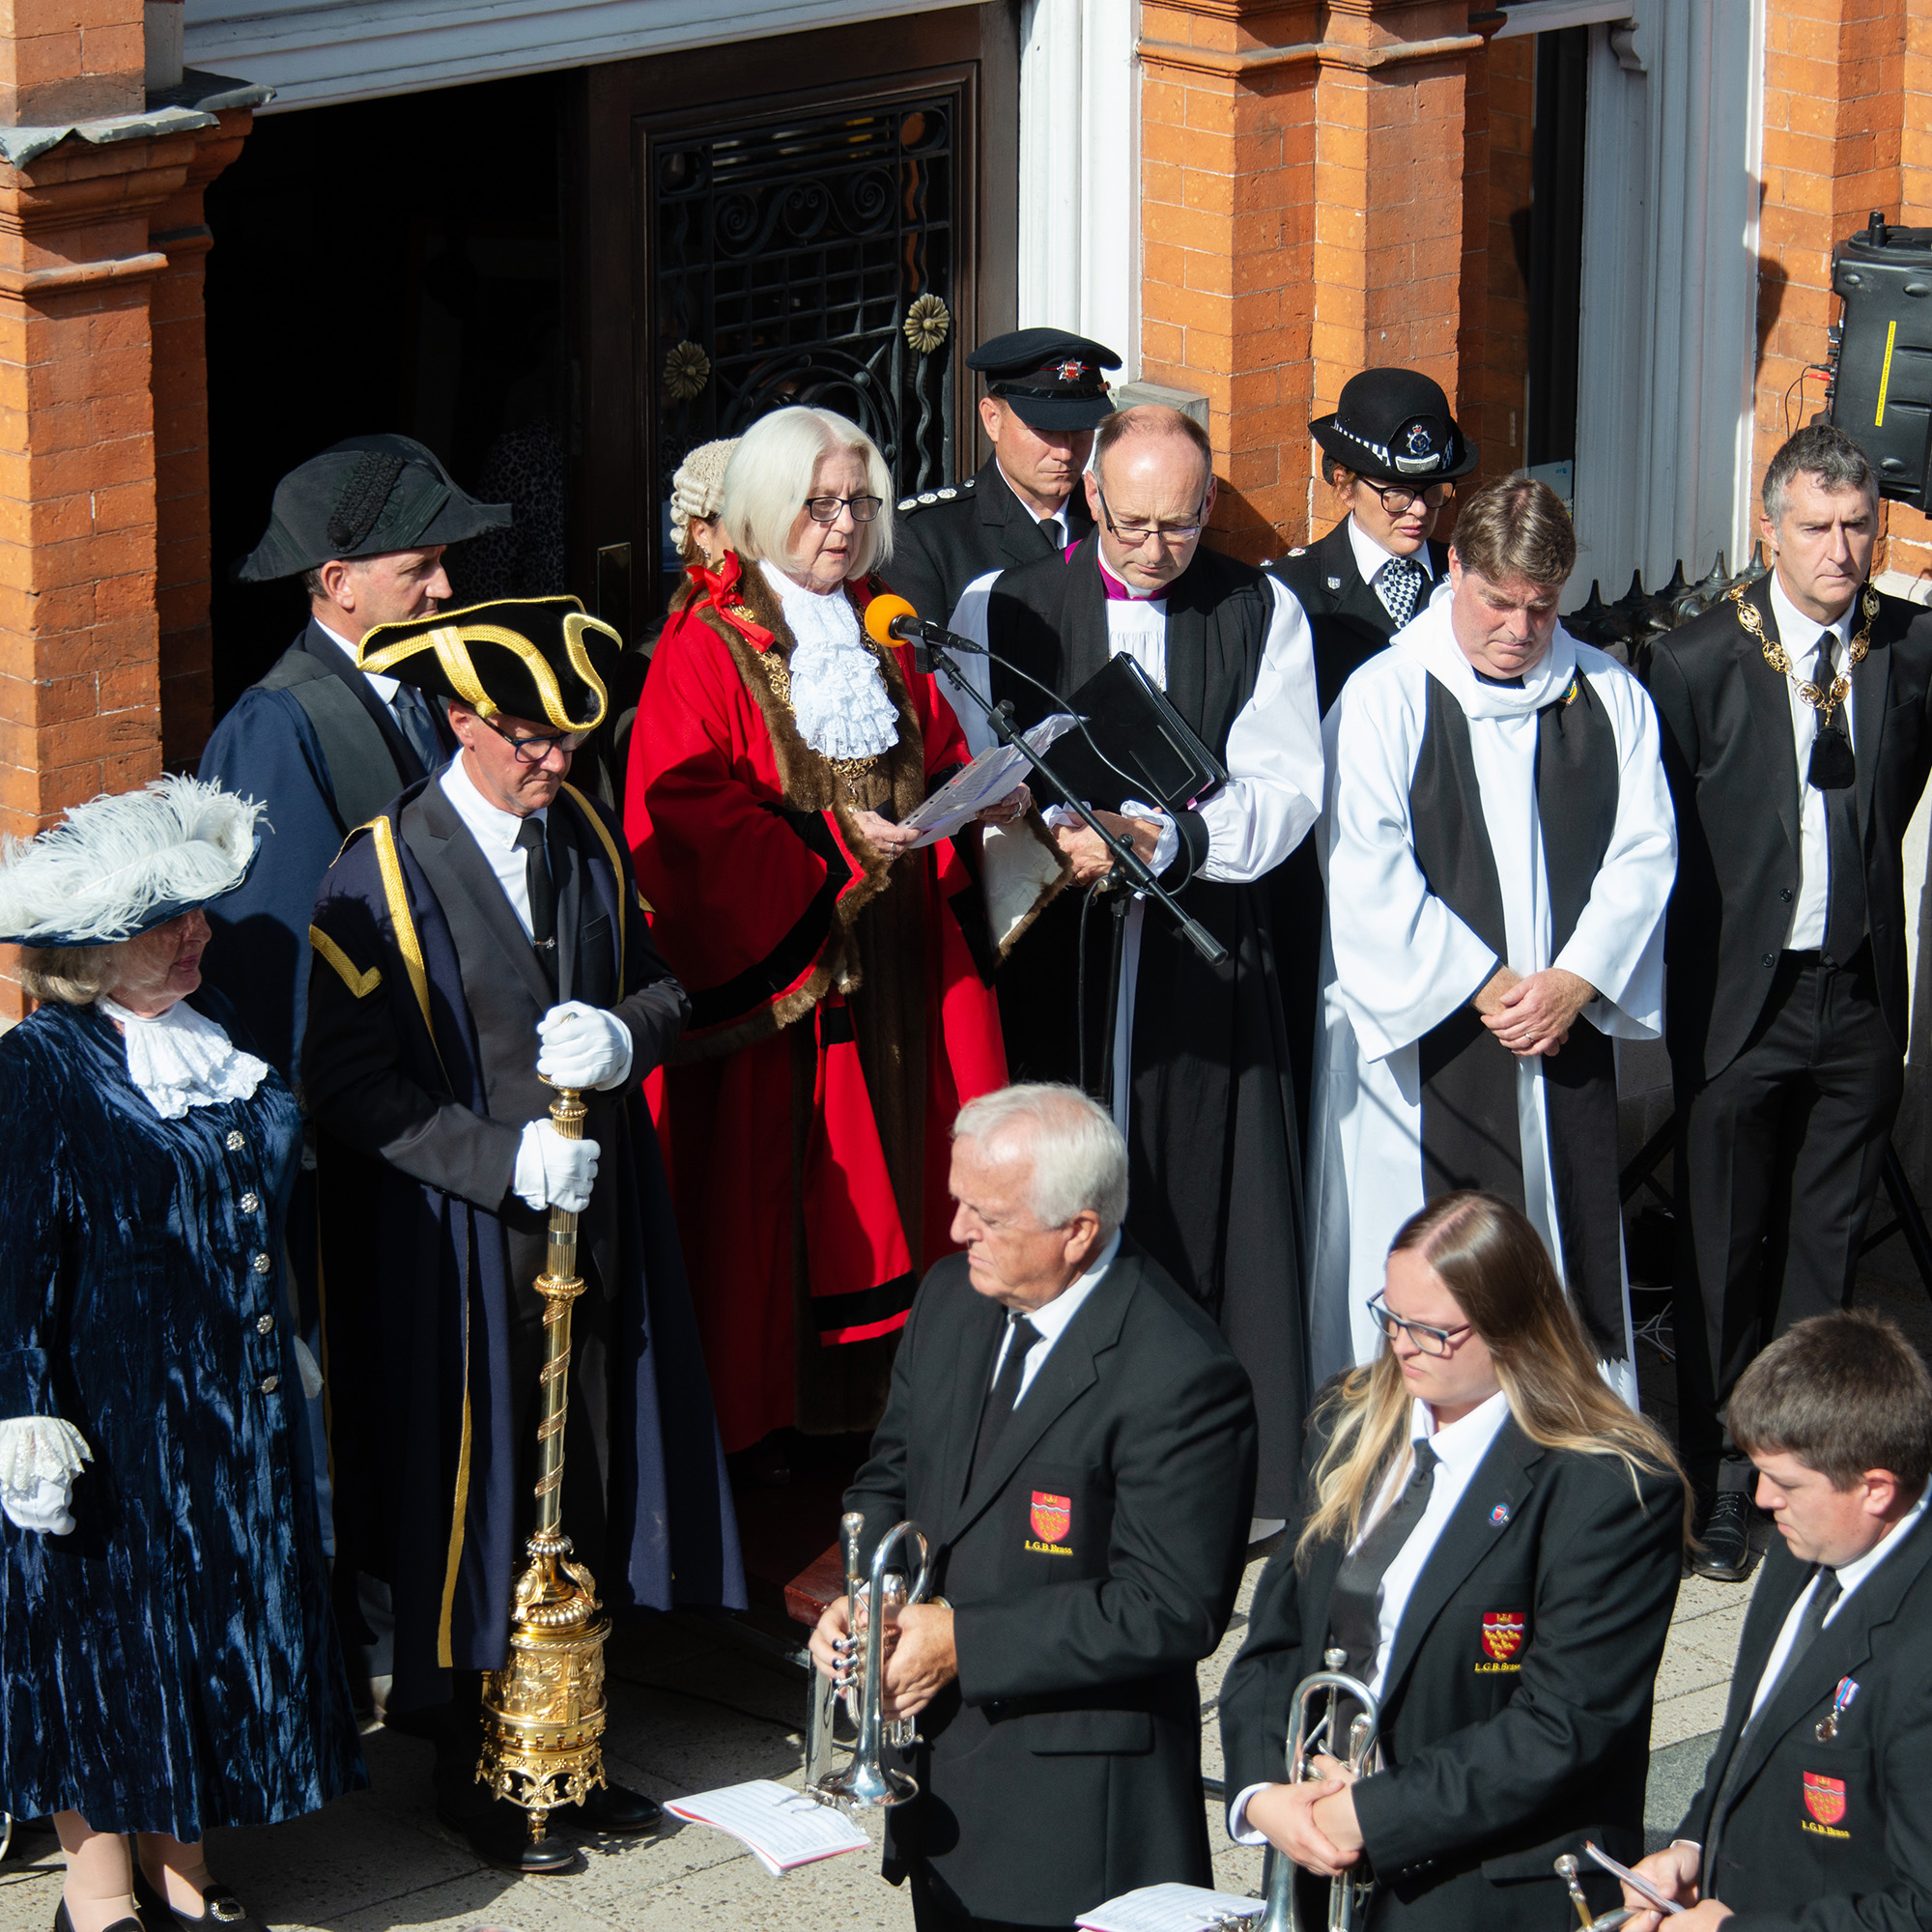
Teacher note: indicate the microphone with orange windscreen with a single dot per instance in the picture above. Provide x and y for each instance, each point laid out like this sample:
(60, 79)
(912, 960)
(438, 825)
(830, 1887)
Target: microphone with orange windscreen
(890, 620)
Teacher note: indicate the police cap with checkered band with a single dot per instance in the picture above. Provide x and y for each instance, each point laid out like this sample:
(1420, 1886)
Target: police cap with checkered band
(1394, 426)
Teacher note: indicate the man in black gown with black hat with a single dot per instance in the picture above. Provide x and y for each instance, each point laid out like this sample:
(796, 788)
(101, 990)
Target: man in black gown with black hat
(364, 526)
(1046, 393)
(1389, 452)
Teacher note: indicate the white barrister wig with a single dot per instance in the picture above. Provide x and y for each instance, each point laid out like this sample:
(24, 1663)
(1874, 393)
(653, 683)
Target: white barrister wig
(120, 866)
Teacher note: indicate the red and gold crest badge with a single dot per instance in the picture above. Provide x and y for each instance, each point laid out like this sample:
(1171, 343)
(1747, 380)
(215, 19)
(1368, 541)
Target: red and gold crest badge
(1052, 1516)
(1824, 1797)
(1502, 1633)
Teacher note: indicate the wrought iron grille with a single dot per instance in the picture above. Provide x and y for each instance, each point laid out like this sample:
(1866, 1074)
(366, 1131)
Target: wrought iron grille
(788, 258)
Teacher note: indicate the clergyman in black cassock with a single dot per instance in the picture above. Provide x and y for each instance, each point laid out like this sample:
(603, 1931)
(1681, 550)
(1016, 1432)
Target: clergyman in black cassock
(433, 993)
(1193, 1058)
(1787, 1005)
(1090, 1542)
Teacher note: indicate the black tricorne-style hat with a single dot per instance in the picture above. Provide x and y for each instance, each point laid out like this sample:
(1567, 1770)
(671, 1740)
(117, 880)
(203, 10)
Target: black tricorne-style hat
(1049, 378)
(1394, 426)
(524, 657)
(366, 495)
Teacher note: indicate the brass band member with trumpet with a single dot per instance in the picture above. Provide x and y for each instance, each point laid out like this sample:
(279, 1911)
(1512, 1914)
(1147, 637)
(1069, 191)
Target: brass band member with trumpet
(1078, 1442)
(1493, 1540)
(477, 945)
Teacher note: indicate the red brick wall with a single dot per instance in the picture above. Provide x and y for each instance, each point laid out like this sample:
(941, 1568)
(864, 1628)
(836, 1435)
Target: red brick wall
(70, 60)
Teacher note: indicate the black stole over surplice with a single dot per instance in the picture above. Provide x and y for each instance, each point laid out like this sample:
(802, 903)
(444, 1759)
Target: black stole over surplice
(1215, 1187)
(1470, 1133)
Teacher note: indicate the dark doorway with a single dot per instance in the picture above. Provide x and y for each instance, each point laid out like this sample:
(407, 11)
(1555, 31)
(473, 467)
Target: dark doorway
(388, 264)
(1554, 268)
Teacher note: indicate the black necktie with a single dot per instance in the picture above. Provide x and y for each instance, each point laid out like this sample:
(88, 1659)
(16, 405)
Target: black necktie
(1056, 537)
(543, 894)
(1398, 584)
(1001, 1399)
(413, 715)
(1354, 1605)
(1824, 1595)
(1834, 773)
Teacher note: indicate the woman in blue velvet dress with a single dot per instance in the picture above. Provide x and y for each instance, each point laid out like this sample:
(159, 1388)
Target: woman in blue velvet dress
(167, 1660)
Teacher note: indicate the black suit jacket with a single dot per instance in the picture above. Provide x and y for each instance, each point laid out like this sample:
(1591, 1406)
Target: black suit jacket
(940, 546)
(1733, 770)
(1496, 1763)
(1064, 1764)
(1836, 1835)
(1350, 623)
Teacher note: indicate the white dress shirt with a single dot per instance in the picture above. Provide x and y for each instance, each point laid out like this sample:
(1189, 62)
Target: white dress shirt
(1373, 557)
(1800, 635)
(495, 831)
(384, 688)
(1053, 1319)
(1460, 1448)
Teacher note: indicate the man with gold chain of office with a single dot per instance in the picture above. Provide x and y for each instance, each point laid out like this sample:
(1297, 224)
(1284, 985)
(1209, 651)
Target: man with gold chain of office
(477, 944)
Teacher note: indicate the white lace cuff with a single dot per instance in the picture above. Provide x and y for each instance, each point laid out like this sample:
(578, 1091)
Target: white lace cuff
(39, 1457)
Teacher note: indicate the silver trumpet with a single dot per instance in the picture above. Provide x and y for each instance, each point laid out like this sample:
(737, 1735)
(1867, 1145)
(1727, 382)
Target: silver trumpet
(1568, 1869)
(1347, 1896)
(868, 1784)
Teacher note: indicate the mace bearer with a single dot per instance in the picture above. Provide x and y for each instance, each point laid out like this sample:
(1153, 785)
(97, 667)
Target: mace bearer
(544, 1713)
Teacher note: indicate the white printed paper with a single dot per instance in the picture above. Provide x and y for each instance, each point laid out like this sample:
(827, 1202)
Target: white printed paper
(783, 1828)
(986, 781)
(1170, 1907)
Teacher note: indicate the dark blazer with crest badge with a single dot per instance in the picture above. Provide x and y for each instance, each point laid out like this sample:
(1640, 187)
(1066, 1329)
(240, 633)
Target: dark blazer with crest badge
(1733, 769)
(1831, 1834)
(946, 538)
(1090, 1565)
(1350, 623)
(1515, 1707)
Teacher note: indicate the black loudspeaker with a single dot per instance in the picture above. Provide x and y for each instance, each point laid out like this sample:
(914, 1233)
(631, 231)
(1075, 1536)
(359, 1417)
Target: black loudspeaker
(1882, 355)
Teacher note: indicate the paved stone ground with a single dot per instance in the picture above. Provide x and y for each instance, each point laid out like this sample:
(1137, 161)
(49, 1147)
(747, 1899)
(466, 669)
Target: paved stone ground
(694, 1706)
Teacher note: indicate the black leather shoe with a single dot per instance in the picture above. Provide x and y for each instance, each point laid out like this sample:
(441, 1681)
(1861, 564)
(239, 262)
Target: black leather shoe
(1725, 1534)
(612, 1810)
(500, 1835)
(62, 1924)
(218, 1907)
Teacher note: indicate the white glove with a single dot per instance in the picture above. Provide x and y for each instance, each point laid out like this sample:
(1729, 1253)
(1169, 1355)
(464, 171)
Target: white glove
(39, 1457)
(553, 1171)
(584, 1046)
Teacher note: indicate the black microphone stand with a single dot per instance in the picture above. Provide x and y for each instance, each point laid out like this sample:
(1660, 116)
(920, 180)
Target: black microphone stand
(1129, 863)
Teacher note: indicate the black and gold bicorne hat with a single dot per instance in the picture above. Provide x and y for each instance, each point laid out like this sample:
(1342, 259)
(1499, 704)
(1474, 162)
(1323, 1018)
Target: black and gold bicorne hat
(535, 658)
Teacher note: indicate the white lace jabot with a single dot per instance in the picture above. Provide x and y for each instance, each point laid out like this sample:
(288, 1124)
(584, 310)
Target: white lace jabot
(838, 696)
(182, 1060)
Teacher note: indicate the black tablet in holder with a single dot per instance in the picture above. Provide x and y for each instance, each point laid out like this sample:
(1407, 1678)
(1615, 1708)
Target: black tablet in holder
(1144, 750)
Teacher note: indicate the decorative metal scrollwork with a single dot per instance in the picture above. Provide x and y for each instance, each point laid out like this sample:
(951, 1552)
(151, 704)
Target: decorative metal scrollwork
(812, 257)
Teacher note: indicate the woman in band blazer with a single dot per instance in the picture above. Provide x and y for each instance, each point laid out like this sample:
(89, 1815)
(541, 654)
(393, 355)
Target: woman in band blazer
(1516, 1657)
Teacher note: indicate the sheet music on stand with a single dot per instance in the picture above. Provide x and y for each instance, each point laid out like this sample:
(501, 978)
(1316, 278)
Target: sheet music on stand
(987, 779)
(1174, 1908)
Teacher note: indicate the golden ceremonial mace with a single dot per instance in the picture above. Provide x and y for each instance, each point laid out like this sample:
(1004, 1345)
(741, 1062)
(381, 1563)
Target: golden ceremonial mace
(544, 1711)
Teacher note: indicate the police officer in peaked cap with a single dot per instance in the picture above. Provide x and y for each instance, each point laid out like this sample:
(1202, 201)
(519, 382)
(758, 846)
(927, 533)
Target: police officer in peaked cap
(1389, 454)
(1047, 392)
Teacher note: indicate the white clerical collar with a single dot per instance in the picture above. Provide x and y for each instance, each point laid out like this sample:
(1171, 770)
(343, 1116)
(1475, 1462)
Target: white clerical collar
(1052, 1319)
(384, 688)
(489, 824)
(1371, 554)
(1461, 1444)
(1800, 635)
(1059, 516)
(1430, 637)
(1126, 589)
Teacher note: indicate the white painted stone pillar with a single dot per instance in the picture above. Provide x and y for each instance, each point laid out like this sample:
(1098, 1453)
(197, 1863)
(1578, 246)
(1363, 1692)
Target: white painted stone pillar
(1079, 172)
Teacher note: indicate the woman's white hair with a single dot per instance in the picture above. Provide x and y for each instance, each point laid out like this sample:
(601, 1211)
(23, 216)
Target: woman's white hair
(1079, 1160)
(771, 474)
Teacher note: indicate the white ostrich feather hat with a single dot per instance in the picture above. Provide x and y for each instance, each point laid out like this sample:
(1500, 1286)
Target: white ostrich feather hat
(118, 866)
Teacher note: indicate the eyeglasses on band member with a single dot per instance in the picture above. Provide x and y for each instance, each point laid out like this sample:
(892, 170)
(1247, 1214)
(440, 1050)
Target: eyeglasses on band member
(825, 509)
(1133, 535)
(1431, 1340)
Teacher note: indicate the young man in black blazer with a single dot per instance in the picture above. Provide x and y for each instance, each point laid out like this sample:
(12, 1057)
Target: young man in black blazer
(1816, 1810)
(1078, 1442)
(1795, 774)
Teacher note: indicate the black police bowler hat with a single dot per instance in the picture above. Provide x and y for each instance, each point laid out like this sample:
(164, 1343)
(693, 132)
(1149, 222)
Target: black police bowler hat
(366, 495)
(1047, 377)
(1394, 426)
(538, 658)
